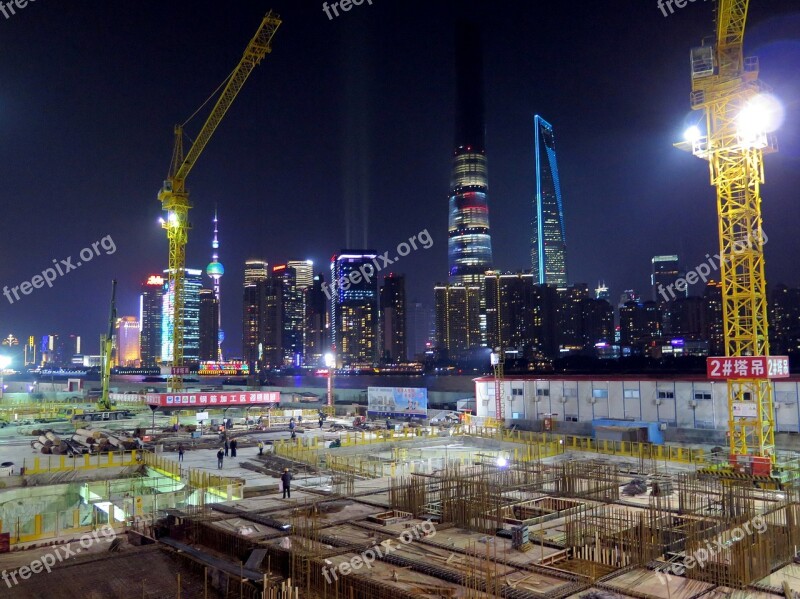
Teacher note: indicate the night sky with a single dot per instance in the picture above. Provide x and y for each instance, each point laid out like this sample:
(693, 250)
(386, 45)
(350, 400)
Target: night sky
(343, 137)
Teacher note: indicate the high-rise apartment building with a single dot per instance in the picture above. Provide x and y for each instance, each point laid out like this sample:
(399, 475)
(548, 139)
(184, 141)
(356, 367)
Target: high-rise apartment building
(548, 240)
(520, 315)
(458, 318)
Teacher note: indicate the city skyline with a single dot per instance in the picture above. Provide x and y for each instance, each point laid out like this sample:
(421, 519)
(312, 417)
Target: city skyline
(613, 243)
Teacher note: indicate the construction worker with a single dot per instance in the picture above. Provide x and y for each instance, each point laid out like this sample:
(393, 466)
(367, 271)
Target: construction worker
(220, 457)
(227, 447)
(180, 452)
(286, 480)
(321, 420)
(234, 445)
(260, 448)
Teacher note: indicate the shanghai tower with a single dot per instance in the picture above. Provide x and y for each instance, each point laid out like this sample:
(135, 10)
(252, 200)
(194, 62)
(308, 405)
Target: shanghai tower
(469, 242)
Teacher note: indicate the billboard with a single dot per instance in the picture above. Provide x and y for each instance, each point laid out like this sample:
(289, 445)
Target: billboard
(212, 399)
(398, 401)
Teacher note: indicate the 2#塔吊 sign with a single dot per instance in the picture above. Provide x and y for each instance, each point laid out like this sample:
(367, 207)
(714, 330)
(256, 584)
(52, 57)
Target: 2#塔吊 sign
(748, 367)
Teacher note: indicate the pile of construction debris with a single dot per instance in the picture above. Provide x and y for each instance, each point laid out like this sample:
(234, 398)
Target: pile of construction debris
(83, 441)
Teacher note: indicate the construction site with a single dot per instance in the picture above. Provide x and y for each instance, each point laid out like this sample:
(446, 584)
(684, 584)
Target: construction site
(451, 513)
(469, 508)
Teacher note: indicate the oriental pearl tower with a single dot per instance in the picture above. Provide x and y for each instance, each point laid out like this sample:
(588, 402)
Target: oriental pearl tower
(215, 270)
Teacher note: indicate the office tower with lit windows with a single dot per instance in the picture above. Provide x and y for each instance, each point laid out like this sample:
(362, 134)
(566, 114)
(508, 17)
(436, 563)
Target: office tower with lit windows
(254, 310)
(469, 243)
(303, 272)
(665, 273)
(127, 342)
(291, 314)
(458, 318)
(193, 282)
(548, 241)
(209, 326)
(393, 319)
(151, 306)
(316, 337)
(255, 271)
(354, 308)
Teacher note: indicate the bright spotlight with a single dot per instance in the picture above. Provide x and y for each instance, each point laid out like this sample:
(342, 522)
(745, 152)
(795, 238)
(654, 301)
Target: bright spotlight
(763, 114)
(501, 462)
(173, 219)
(692, 134)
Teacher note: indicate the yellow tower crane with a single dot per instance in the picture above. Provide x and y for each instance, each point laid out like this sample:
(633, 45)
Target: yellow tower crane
(174, 196)
(726, 89)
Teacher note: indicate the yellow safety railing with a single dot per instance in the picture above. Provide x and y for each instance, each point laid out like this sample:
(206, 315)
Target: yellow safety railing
(549, 443)
(63, 463)
(224, 487)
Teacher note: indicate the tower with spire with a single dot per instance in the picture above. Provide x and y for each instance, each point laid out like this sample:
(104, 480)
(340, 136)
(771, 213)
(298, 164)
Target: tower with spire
(215, 270)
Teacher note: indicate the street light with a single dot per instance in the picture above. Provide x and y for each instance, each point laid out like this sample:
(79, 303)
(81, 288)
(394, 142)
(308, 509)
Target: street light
(330, 362)
(5, 362)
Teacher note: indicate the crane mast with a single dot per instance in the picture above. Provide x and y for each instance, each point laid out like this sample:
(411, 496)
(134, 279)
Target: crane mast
(106, 347)
(724, 83)
(174, 196)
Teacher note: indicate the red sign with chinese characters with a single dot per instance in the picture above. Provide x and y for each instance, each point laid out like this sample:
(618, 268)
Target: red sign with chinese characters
(748, 367)
(211, 399)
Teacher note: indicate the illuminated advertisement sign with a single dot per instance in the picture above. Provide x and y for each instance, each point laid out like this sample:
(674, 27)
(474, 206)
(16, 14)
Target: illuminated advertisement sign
(211, 400)
(398, 401)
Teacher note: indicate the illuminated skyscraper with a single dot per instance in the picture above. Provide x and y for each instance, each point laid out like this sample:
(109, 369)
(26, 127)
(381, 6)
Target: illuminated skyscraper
(209, 326)
(469, 244)
(193, 282)
(151, 307)
(354, 308)
(304, 273)
(548, 241)
(253, 321)
(127, 341)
